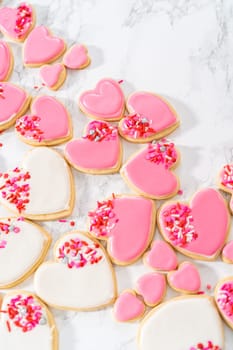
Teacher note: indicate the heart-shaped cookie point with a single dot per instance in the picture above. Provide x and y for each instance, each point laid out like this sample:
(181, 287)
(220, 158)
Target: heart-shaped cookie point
(80, 278)
(16, 235)
(161, 257)
(53, 76)
(6, 61)
(42, 189)
(16, 23)
(224, 299)
(128, 307)
(225, 182)
(76, 57)
(14, 102)
(151, 117)
(198, 230)
(105, 102)
(152, 287)
(227, 253)
(149, 172)
(41, 47)
(127, 223)
(49, 123)
(186, 279)
(98, 152)
(171, 325)
(26, 323)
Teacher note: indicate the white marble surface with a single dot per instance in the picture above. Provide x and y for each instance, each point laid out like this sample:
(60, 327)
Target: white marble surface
(180, 49)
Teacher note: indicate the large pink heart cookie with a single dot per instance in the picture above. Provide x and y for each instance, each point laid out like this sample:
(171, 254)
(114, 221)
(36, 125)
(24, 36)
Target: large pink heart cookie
(105, 102)
(16, 23)
(98, 152)
(161, 257)
(14, 102)
(198, 230)
(149, 171)
(6, 61)
(41, 47)
(80, 278)
(152, 287)
(224, 299)
(186, 279)
(128, 307)
(151, 117)
(76, 57)
(127, 222)
(225, 182)
(48, 124)
(53, 76)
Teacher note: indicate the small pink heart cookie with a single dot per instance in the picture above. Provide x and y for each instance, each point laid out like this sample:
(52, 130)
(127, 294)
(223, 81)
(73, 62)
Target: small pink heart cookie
(151, 117)
(161, 257)
(49, 123)
(198, 230)
(77, 57)
(152, 287)
(41, 47)
(224, 299)
(127, 223)
(225, 182)
(98, 152)
(16, 23)
(186, 279)
(149, 172)
(105, 102)
(227, 253)
(14, 102)
(128, 307)
(6, 61)
(53, 76)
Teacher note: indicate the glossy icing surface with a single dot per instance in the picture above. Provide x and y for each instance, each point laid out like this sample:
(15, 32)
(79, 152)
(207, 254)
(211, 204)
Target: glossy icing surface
(76, 57)
(128, 307)
(227, 252)
(5, 60)
(152, 287)
(186, 278)
(50, 74)
(161, 257)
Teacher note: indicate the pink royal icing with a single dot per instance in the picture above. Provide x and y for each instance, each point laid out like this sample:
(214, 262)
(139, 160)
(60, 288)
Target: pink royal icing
(50, 74)
(224, 300)
(76, 57)
(5, 60)
(152, 287)
(200, 228)
(128, 307)
(41, 47)
(161, 257)
(105, 102)
(227, 252)
(186, 278)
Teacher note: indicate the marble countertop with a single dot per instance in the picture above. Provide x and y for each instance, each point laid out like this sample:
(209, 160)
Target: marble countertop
(182, 50)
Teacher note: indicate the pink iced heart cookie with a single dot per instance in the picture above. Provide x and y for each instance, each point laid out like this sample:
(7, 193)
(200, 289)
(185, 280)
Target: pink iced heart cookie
(41, 47)
(6, 61)
(224, 299)
(128, 307)
(53, 76)
(105, 102)
(161, 257)
(76, 57)
(198, 230)
(227, 253)
(98, 152)
(127, 222)
(49, 123)
(152, 287)
(16, 23)
(149, 171)
(14, 102)
(186, 279)
(225, 182)
(151, 117)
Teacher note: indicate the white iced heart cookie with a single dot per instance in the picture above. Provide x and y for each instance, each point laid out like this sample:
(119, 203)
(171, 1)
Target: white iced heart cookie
(181, 324)
(41, 189)
(26, 323)
(23, 246)
(81, 278)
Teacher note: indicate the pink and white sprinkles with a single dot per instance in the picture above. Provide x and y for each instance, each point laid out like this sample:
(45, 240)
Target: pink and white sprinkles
(162, 152)
(227, 176)
(103, 219)
(5, 229)
(28, 126)
(24, 312)
(15, 188)
(78, 253)
(178, 221)
(137, 126)
(100, 131)
(209, 346)
(225, 299)
(24, 19)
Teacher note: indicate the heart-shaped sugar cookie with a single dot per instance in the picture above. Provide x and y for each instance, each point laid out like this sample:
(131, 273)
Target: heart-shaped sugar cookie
(76, 57)
(98, 152)
(127, 222)
(161, 257)
(151, 117)
(16, 23)
(128, 307)
(227, 253)
(225, 182)
(14, 102)
(6, 61)
(198, 230)
(41, 189)
(80, 278)
(149, 172)
(186, 279)
(152, 287)
(26, 323)
(49, 123)
(224, 299)
(17, 262)
(53, 76)
(41, 47)
(105, 102)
